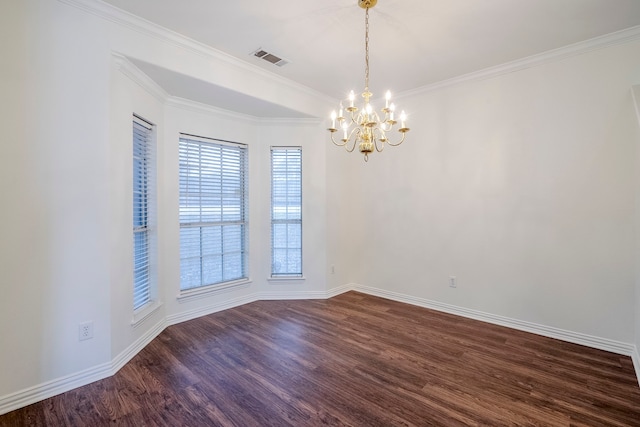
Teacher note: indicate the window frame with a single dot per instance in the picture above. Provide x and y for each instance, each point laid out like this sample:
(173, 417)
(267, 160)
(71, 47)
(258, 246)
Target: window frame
(190, 172)
(285, 173)
(143, 213)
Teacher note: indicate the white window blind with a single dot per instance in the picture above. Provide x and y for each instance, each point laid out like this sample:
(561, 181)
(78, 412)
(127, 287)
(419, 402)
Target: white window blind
(213, 211)
(143, 188)
(286, 211)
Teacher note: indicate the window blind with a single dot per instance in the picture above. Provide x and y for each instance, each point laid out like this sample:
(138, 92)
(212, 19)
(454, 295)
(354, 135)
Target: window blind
(213, 211)
(286, 211)
(142, 206)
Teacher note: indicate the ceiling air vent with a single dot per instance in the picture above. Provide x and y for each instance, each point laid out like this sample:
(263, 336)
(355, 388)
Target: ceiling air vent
(270, 57)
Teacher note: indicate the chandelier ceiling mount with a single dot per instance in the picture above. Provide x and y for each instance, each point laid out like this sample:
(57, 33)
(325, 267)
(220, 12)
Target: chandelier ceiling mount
(367, 4)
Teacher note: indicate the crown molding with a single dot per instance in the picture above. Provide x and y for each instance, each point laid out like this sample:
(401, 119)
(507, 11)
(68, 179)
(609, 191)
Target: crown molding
(619, 37)
(635, 95)
(289, 121)
(198, 107)
(141, 79)
(133, 22)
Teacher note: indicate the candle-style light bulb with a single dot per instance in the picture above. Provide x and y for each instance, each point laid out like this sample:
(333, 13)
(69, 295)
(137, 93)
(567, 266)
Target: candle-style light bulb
(333, 119)
(387, 99)
(368, 108)
(352, 97)
(403, 119)
(344, 128)
(340, 114)
(392, 108)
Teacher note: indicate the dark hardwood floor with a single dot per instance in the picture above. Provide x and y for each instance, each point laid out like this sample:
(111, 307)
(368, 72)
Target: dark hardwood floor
(351, 360)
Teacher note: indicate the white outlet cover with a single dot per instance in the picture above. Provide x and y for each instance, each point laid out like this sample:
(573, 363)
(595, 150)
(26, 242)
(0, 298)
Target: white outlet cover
(85, 331)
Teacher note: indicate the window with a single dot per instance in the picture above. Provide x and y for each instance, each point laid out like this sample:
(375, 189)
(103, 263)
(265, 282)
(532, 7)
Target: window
(142, 210)
(286, 211)
(213, 211)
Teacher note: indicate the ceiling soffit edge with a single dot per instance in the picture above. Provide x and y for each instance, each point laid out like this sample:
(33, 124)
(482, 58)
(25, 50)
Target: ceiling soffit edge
(139, 77)
(198, 107)
(151, 87)
(118, 16)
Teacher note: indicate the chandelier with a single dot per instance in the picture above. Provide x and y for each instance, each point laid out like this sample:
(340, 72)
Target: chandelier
(363, 127)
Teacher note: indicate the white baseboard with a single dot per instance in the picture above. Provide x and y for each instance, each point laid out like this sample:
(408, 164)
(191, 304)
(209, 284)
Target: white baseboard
(43, 391)
(125, 356)
(334, 292)
(288, 295)
(547, 331)
(49, 389)
(635, 357)
(174, 319)
(52, 388)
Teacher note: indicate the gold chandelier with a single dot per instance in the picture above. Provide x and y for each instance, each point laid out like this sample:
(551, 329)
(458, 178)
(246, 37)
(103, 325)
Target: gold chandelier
(368, 131)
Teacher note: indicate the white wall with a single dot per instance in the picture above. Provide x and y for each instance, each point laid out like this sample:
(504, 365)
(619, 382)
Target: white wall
(55, 216)
(522, 187)
(636, 99)
(66, 190)
(19, 284)
(345, 217)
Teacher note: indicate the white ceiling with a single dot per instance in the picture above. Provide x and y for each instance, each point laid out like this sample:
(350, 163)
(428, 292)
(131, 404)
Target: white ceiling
(413, 43)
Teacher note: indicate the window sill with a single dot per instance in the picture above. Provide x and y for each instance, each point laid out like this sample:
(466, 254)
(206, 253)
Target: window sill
(286, 279)
(145, 311)
(205, 291)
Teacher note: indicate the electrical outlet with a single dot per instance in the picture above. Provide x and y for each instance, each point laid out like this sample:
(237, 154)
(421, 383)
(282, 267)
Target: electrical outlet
(452, 282)
(85, 331)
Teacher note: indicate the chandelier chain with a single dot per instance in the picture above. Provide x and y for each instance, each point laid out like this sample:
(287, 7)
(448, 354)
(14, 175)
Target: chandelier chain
(366, 44)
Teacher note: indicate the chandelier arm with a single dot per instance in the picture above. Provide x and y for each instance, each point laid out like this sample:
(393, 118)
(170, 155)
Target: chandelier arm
(355, 133)
(350, 140)
(379, 137)
(385, 126)
(353, 147)
(339, 144)
(395, 144)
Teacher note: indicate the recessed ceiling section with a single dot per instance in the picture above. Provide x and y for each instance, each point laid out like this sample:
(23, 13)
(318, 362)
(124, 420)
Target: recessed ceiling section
(187, 87)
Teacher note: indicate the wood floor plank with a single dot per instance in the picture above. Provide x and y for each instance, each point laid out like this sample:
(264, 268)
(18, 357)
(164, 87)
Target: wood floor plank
(352, 360)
